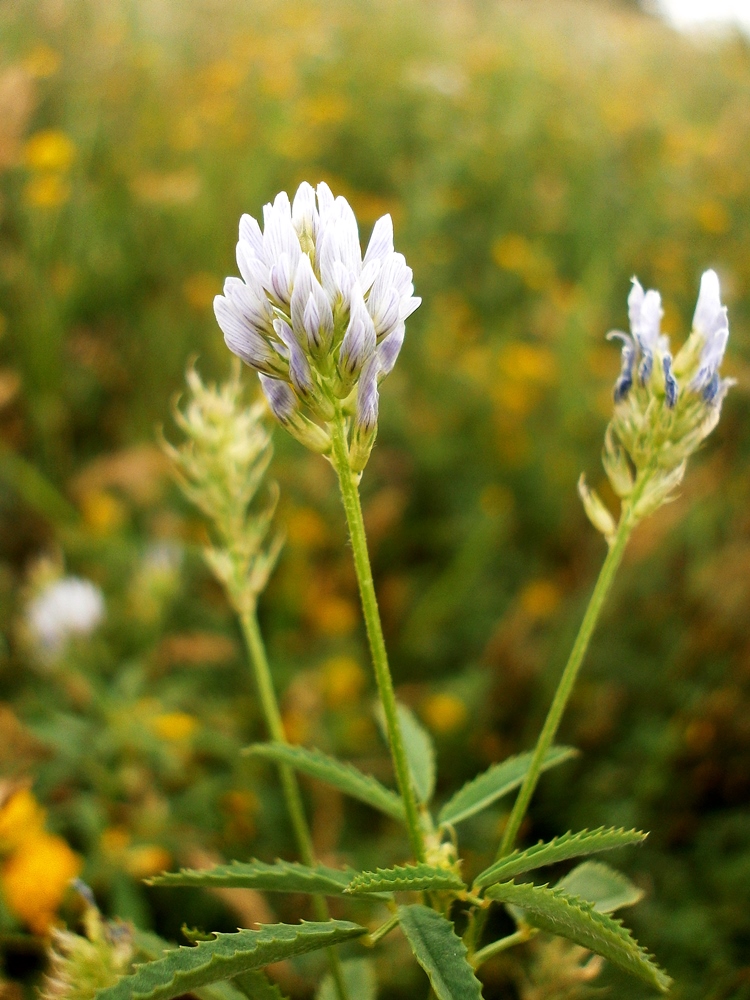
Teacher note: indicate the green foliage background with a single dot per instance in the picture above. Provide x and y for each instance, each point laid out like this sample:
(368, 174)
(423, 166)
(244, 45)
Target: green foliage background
(533, 155)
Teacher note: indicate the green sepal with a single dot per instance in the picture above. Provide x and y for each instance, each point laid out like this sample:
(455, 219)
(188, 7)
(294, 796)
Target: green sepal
(282, 876)
(569, 845)
(556, 912)
(227, 956)
(496, 781)
(334, 772)
(600, 885)
(406, 878)
(440, 952)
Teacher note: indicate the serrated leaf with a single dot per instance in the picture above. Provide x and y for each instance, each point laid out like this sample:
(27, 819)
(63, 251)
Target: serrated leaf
(282, 876)
(600, 885)
(334, 772)
(554, 911)
(406, 878)
(228, 955)
(496, 781)
(359, 978)
(255, 985)
(569, 845)
(440, 952)
(150, 946)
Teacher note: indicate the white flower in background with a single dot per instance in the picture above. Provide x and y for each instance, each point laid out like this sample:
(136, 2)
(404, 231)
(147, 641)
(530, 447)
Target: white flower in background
(69, 606)
(664, 407)
(320, 322)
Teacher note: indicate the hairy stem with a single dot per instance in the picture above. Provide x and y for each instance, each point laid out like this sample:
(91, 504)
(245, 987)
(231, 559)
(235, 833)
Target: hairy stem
(257, 651)
(565, 687)
(348, 482)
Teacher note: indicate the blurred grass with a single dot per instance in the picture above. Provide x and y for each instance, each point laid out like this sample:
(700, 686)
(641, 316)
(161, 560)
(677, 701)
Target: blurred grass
(533, 156)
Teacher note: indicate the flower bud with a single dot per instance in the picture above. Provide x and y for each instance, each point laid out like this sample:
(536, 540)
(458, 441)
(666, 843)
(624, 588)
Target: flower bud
(596, 512)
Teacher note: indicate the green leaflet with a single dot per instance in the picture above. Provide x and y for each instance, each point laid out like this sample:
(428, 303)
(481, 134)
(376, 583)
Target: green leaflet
(282, 876)
(600, 885)
(440, 952)
(227, 956)
(255, 985)
(495, 782)
(359, 976)
(556, 912)
(334, 772)
(406, 878)
(569, 845)
(420, 753)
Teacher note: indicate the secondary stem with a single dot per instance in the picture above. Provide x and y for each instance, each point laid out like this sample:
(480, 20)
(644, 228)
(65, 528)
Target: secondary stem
(259, 660)
(484, 954)
(565, 687)
(348, 483)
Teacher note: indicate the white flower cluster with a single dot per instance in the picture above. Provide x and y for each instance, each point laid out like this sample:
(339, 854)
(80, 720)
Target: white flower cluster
(664, 406)
(69, 606)
(317, 320)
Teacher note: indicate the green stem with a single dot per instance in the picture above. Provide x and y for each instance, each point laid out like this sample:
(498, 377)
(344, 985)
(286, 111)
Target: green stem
(348, 482)
(259, 660)
(484, 954)
(567, 681)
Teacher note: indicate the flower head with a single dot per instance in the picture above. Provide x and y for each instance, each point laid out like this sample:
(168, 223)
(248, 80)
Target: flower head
(664, 406)
(312, 314)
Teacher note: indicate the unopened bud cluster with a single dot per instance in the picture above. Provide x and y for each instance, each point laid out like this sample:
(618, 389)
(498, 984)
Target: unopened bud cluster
(664, 406)
(320, 323)
(220, 467)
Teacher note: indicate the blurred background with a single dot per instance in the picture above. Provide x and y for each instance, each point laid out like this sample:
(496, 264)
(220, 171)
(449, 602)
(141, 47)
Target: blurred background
(533, 155)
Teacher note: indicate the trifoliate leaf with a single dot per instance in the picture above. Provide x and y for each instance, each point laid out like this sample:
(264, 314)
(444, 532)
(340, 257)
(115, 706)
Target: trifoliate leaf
(440, 952)
(600, 885)
(282, 876)
(228, 955)
(554, 911)
(496, 781)
(334, 772)
(405, 878)
(569, 845)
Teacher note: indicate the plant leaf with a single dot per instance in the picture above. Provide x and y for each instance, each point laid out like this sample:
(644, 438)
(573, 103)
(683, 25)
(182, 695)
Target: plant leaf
(334, 772)
(360, 980)
(600, 885)
(440, 952)
(419, 749)
(228, 955)
(495, 782)
(255, 985)
(556, 912)
(406, 878)
(282, 876)
(569, 845)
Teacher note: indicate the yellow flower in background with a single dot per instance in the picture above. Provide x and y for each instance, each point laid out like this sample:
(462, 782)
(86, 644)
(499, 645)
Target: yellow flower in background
(147, 859)
(42, 62)
(343, 681)
(21, 816)
(49, 150)
(540, 598)
(35, 877)
(444, 712)
(46, 191)
(174, 726)
(103, 513)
